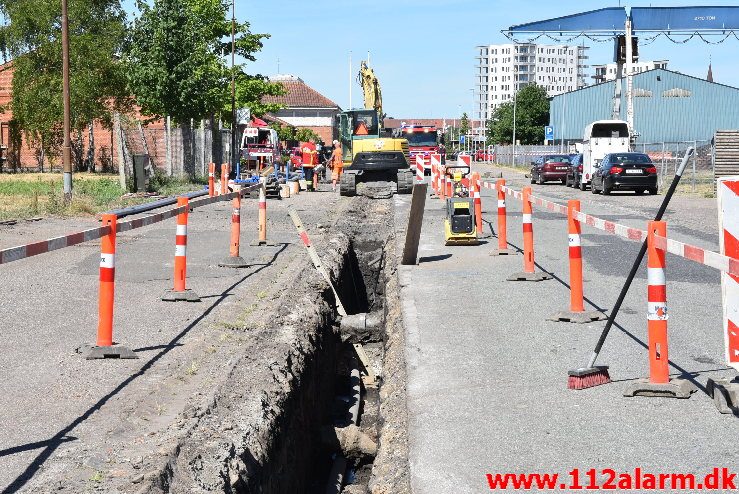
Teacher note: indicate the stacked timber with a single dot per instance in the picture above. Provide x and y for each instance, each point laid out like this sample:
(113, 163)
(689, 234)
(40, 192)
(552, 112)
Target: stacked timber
(726, 154)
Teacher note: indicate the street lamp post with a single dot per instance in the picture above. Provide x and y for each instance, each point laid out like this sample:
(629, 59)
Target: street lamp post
(235, 161)
(513, 151)
(67, 145)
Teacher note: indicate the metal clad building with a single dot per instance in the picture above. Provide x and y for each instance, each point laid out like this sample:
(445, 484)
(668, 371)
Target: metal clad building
(668, 107)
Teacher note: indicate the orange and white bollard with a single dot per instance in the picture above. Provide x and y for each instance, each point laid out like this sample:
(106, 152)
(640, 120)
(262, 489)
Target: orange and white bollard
(577, 313)
(262, 239)
(659, 382)
(234, 259)
(502, 249)
(477, 201)
(180, 291)
(106, 299)
(211, 179)
(224, 178)
(529, 272)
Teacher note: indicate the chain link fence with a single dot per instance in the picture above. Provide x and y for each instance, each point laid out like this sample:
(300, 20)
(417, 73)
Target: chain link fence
(178, 151)
(698, 176)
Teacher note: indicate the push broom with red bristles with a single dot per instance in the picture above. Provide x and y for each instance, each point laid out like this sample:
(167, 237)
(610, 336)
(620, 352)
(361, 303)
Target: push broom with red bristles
(594, 375)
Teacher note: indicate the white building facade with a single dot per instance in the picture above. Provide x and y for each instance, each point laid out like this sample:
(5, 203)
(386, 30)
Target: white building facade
(607, 72)
(502, 70)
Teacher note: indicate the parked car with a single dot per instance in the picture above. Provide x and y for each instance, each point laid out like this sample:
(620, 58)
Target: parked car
(550, 167)
(625, 171)
(574, 171)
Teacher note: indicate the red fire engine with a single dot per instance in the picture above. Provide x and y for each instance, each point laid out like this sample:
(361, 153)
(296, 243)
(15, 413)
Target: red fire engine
(422, 140)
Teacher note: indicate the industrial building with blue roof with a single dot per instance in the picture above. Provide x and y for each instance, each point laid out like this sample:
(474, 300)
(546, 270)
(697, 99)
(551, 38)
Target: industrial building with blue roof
(668, 107)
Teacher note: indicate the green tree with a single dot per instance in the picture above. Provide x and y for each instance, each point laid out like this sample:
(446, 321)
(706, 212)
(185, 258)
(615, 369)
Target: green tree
(287, 133)
(464, 124)
(177, 66)
(532, 114)
(32, 39)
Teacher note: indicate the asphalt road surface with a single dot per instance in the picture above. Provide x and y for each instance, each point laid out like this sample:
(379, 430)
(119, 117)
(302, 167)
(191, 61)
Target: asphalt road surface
(487, 374)
(62, 415)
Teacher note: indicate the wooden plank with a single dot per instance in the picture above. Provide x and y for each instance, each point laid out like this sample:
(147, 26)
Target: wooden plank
(371, 377)
(415, 220)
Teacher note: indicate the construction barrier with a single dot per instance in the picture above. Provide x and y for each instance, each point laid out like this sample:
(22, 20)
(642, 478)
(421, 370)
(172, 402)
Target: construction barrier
(529, 272)
(502, 249)
(180, 292)
(728, 207)
(106, 298)
(434, 178)
(224, 178)
(464, 159)
(475, 194)
(262, 234)
(658, 383)
(442, 184)
(577, 313)
(419, 168)
(724, 391)
(234, 259)
(435, 165)
(211, 179)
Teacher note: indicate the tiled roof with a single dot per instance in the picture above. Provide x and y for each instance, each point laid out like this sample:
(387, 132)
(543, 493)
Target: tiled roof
(394, 123)
(300, 95)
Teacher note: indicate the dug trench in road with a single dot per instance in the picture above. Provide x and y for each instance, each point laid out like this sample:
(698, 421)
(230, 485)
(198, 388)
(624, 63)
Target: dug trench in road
(487, 375)
(225, 390)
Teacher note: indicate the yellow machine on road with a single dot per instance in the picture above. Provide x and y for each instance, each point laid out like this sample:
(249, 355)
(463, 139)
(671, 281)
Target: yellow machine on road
(369, 153)
(460, 222)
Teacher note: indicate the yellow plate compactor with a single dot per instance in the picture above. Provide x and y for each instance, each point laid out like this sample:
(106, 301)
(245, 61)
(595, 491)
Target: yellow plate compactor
(459, 225)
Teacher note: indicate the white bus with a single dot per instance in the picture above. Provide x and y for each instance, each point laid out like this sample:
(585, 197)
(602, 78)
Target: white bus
(602, 137)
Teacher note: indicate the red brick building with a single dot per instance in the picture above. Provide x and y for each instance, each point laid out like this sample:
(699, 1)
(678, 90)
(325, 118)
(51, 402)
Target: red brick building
(305, 107)
(20, 154)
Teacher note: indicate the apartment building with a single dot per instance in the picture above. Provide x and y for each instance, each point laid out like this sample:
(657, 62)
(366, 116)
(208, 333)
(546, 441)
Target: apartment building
(502, 70)
(607, 72)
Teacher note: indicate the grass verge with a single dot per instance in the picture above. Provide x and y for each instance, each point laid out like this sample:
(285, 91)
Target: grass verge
(31, 195)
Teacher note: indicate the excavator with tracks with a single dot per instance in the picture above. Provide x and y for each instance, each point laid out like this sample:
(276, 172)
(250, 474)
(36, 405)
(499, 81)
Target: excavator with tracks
(370, 153)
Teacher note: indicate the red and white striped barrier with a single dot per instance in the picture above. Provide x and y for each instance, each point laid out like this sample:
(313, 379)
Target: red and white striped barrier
(419, 168)
(42, 247)
(464, 159)
(728, 206)
(435, 167)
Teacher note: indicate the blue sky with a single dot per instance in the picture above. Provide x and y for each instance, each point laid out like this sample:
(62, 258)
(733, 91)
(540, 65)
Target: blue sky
(423, 50)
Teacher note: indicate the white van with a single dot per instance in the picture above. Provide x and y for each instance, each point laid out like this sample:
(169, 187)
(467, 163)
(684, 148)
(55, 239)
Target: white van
(602, 137)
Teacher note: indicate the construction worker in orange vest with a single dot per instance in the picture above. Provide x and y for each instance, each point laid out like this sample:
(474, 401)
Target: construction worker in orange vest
(310, 160)
(337, 165)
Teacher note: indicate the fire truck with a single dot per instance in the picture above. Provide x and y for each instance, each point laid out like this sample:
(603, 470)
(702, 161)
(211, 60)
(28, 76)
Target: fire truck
(422, 140)
(260, 148)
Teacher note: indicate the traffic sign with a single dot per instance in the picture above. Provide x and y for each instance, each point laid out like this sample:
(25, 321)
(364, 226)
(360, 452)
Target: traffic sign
(461, 139)
(549, 133)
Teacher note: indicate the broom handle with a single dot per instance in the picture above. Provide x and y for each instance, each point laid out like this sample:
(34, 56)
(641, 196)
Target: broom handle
(639, 258)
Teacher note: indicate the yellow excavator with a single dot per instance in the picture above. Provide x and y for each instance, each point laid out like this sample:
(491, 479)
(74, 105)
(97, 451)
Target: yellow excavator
(369, 153)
